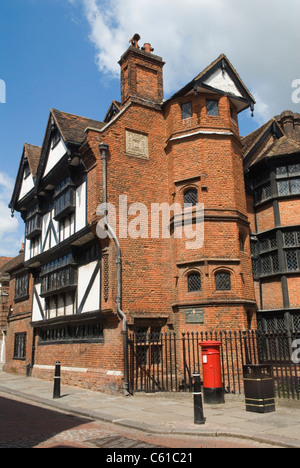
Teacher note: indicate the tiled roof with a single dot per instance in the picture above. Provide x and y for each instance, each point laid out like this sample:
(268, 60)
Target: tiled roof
(13, 263)
(33, 154)
(283, 144)
(72, 127)
(250, 140)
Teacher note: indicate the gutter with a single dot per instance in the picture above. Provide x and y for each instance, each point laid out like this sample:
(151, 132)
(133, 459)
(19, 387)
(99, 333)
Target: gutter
(103, 150)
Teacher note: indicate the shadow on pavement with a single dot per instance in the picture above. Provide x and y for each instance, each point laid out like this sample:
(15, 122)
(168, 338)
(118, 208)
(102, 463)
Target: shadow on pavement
(25, 426)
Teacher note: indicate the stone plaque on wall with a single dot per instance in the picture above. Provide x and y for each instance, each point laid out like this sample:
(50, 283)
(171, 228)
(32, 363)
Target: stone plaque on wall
(137, 144)
(194, 315)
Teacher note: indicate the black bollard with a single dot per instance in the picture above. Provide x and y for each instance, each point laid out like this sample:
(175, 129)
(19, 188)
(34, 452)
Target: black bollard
(56, 390)
(198, 406)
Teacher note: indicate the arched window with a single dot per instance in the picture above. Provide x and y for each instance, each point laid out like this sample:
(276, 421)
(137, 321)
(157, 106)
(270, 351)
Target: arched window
(194, 282)
(223, 281)
(191, 196)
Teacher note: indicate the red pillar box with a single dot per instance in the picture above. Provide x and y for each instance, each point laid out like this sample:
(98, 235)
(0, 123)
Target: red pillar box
(212, 374)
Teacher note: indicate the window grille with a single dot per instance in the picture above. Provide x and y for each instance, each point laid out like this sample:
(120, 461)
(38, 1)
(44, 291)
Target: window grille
(194, 282)
(223, 281)
(191, 197)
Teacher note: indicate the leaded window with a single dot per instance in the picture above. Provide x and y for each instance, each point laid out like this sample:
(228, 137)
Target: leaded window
(64, 199)
(194, 282)
(186, 110)
(20, 346)
(22, 287)
(263, 193)
(84, 333)
(292, 260)
(223, 281)
(212, 107)
(191, 197)
(291, 183)
(59, 276)
(291, 239)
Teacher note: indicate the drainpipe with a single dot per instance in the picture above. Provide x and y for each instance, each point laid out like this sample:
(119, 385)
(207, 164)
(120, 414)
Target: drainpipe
(103, 150)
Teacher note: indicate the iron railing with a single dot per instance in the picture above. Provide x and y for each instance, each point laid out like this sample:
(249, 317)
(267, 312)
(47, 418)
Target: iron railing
(166, 361)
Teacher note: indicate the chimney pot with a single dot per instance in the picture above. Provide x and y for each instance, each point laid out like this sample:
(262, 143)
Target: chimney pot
(147, 48)
(134, 41)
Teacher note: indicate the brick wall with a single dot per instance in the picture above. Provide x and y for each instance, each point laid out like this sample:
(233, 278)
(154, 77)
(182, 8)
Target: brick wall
(289, 211)
(272, 295)
(294, 288)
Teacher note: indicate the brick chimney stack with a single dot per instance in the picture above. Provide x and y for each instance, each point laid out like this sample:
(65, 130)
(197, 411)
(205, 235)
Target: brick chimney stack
(291, 124)
(141, 74)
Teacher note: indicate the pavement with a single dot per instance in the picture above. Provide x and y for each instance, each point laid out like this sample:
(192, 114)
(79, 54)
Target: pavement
(165, 413)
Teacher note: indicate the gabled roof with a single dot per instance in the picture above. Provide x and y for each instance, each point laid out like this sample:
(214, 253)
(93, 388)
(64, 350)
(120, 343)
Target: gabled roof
(252, 140)
(114, 109)
(31, 156)
(284, 144)
(72, 130)
(72, 127)
(220, 77)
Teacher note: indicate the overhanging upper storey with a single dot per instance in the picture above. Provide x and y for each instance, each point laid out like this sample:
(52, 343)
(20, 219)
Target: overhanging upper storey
(220, 77)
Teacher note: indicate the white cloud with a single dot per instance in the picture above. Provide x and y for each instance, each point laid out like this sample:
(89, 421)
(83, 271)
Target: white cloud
(260, 39)
(9, 235)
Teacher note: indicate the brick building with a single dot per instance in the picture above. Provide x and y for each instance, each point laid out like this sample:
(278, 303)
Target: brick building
(4, 295)
(272, 171)
(88, 286)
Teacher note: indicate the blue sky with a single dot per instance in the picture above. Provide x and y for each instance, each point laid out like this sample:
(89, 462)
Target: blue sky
(64, 53)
